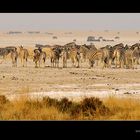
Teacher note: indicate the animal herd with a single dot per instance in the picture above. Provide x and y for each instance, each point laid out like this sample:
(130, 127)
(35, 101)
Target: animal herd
(117, 56)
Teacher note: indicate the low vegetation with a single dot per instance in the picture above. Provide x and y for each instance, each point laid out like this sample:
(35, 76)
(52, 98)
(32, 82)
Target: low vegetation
(64, 109)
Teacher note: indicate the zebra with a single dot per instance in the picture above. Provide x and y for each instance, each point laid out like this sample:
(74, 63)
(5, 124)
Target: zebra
(14, 56)
(39, 56)
(108, 55)
(74, 55)
(83, 53)
(55, 56)
(5, 51)
(96, 55)
(65, 57)
(23, 54)
(119, 57)
(129, 58)
(136, 55)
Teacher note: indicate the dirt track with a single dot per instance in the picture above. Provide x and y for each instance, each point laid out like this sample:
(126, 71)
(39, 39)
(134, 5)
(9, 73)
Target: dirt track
(69, 82)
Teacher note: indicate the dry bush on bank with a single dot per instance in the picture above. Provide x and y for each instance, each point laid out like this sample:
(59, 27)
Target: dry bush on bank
(64, 109)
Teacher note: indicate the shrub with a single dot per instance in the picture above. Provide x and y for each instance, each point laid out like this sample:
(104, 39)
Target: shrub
(89, 107)
(47, 101)
(34, 104)
(64, 105)
(3, 99)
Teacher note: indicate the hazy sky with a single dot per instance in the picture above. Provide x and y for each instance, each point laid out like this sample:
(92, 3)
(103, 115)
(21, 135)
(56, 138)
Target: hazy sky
(85, 21)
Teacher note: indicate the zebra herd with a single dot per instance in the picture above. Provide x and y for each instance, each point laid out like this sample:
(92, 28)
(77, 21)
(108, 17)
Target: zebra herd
(120, 55)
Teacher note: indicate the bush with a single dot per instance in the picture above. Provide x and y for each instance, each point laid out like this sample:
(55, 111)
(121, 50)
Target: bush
(3, 99)
(64, 105)
(47, 101)
(90, 107)
(34, 104)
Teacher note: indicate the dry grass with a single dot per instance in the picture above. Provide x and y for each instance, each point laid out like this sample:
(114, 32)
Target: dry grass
(53, 109)
(123, 109)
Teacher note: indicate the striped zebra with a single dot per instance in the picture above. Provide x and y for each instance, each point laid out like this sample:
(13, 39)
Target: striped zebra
(108, 55)
(39, 58)
(83, 53)
(74, 55)
(14, 56)
(96, 55)
(129, 58)
(65, 57)
(55, 56)
(119, 57)
(23, 54)
(136, 55)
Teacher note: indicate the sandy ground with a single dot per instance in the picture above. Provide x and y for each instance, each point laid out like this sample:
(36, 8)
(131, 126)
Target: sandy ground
(74, 83)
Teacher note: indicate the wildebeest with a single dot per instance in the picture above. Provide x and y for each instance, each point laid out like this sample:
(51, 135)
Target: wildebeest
(23, 54)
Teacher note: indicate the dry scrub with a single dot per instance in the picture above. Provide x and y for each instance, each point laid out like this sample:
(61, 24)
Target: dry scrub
(64, 109)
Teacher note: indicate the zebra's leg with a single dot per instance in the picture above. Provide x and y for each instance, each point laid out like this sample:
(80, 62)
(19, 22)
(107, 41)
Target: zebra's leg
(51, 62)
(12, 62)
(35, 64)
(15, 62)
(26, 63)
(44, 62)
(115, 62)
(132, 63)
(57, 63)
(136, 63)
(119, 63)
(23, 62)
(109, 63)
(39, 63)
(90, 64)
(122, 63)
(78, 63)
(126, 62)
(65, 63)
(72, 60)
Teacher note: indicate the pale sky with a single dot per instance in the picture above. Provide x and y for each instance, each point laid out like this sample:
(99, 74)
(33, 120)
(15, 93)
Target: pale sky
(79, 21)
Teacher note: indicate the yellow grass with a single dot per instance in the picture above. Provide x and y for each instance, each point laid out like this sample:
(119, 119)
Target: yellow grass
(19, 110)
(123, 109)
(120, 109)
